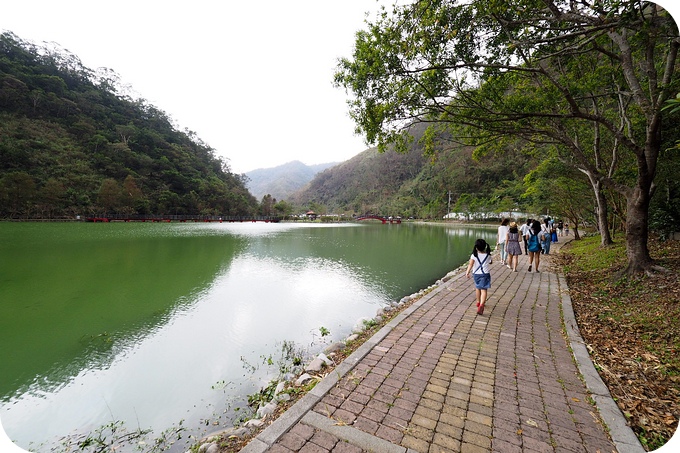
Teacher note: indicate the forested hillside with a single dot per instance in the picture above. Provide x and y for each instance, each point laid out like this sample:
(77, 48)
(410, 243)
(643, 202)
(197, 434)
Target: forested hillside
(72, 144)
(418, 184)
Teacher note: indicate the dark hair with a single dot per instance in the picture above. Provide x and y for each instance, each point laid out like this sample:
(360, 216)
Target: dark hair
(529, 221)
(536, 226)
(513, 229)
(505, 221)
(482, 246)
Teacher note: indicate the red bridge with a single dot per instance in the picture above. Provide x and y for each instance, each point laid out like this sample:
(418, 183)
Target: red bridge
(378, 217)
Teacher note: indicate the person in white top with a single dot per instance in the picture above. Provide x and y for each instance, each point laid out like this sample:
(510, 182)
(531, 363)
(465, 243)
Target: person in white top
(524, 229)
(500, 243)
(546, 237)
(480, 261)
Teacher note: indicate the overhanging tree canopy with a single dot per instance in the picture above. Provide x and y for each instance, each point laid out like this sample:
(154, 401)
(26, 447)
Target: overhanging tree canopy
(585, 77)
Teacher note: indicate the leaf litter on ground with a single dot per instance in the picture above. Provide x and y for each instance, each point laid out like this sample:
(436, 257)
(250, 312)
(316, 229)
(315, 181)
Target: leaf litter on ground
(632, 328)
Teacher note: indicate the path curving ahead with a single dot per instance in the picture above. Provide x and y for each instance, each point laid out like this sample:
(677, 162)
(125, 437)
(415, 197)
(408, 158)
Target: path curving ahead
(440, 378)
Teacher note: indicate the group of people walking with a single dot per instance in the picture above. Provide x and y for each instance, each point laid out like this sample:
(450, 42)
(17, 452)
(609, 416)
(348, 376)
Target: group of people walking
(535, 236)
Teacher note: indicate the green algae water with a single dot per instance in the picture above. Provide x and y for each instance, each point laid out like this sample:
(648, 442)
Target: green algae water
(154, 324)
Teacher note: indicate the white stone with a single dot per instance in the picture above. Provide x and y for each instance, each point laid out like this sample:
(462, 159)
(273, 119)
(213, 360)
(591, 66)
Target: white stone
(302, 380)
(337, 346)
(315, 366)
(282, 397)
(325, 359)
(253, 423)
(265, 410)
(280, 387)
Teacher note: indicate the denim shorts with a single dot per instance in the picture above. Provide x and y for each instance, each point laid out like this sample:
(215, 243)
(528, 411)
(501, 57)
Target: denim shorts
(482, 281)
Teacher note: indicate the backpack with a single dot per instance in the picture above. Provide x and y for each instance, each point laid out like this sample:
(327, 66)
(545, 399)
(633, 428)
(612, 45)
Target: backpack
(534, 245)
(546, 235)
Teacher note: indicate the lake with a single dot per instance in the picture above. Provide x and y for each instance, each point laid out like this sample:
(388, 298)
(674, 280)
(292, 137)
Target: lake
(161, 324)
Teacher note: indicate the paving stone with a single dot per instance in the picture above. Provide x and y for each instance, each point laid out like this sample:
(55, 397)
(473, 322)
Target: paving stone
(443, 443)
(511, 436)
(569, 443)
(293, 441)
(390, 434)
(416, 444)
(425, 418)
(278, 448)
(344, 447)
(352, 406)
(366, 425)
(478, 428)
(313, 448)
(432, 396)
(480, 418)
(504, 447)
(324, 440)
(345, 417)
(302, 430)
(532, 444)
(473, 438)
(373, 414)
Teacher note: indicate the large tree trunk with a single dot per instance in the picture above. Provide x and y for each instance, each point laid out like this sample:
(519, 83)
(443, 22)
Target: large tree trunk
(637, 233)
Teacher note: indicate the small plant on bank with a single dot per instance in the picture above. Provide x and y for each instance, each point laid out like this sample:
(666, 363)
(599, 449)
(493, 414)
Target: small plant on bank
(369, 323)
(264, 396)
(115, 435)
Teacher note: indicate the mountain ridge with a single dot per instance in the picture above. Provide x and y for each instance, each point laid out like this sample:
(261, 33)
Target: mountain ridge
(283, 180)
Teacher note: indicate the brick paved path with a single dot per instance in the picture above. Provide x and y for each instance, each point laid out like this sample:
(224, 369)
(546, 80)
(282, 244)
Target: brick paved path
(440, 378)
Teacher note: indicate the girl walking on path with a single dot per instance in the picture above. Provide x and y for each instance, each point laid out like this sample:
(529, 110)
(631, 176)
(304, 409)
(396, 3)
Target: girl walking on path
(534, 241)
(512, 246)
(480, 261)
(502, 236)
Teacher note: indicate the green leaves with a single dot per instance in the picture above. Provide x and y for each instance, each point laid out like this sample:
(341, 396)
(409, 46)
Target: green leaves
(672, 105)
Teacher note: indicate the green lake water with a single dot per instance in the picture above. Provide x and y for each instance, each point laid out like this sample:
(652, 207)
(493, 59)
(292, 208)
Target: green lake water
(155, 323)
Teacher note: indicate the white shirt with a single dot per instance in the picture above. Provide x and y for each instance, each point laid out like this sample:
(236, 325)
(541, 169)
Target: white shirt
(502, 233)
(485, 259)
(524, 229)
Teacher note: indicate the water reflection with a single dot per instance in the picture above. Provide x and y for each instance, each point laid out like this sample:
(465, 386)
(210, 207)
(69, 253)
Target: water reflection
(73, 302)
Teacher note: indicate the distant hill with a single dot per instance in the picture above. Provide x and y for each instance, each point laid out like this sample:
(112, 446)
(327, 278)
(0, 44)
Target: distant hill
(280, 182)
(362, 183)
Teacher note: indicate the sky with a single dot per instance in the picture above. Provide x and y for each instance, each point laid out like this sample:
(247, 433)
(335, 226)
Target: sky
(253, 80)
